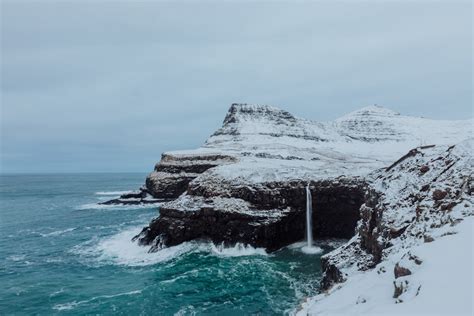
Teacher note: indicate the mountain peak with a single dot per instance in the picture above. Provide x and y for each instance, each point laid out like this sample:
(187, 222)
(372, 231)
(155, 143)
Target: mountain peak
(370, 111)
(242, 112)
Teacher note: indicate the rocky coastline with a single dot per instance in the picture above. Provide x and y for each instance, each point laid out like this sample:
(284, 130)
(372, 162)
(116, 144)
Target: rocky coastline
(370, 182)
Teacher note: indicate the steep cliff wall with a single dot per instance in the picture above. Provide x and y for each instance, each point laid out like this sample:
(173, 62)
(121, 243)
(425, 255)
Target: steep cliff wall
(270, 215)
(415, 200)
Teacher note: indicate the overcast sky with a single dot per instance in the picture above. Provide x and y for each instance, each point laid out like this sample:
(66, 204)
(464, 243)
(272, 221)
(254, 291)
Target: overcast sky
(109, 86)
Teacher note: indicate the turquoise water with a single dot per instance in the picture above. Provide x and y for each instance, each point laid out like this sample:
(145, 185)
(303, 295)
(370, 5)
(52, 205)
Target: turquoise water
(60, 253)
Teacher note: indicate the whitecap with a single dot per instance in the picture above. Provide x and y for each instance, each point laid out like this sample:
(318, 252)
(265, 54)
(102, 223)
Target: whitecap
(57, 232)
(114, 193)
(16, 258)
(55, 293)
(113, 207)
(74, 304)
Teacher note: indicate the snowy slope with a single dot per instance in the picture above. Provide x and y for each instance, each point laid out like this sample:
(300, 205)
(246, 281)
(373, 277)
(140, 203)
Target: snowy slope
(418, 236)
(445, 277)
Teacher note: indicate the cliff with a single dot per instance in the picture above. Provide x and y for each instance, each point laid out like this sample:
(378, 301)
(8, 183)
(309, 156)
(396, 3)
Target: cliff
(246, 183)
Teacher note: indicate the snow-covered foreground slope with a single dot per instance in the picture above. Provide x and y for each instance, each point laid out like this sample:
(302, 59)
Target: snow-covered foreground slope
(413, 251)
(444, 280)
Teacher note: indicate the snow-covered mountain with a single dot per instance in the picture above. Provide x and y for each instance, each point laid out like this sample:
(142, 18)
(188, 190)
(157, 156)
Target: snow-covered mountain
(271, 144)
(390, 182)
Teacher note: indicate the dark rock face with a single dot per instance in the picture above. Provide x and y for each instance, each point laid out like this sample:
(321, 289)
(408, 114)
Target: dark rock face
(167, 186)
(171, 177)
(142, 196)
(370, 227)
(174, 172)
(269, 216)
(331, 274)
(174, 227)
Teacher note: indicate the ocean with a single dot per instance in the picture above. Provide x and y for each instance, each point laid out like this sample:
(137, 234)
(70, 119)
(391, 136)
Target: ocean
(63, 254)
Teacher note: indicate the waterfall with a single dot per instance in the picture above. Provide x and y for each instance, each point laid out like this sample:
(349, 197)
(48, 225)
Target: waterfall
(309, 215)
(309, 248)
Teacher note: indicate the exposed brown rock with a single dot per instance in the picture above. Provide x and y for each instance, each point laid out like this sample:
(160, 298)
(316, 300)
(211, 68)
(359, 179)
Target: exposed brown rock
(416, 259)
(400, 288)
(425, 188)
(400, 271)
(397, 232)
(424, 169)
(448, 206)
(439, 194)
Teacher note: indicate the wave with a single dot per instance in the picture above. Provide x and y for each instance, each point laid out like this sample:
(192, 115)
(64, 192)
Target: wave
(16, 258)
(116, 193)
(57, 232)
(96, 206)
(74, 304)
(121, 250)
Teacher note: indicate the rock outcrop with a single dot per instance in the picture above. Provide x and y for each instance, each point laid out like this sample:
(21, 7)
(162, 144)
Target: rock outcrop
(174, 172)
(269, 215)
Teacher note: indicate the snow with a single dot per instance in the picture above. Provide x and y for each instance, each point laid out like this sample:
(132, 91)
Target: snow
(191, 203)
(445, 277)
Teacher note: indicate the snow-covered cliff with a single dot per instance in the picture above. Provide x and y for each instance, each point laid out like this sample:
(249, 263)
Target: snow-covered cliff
(393, 183)
(413, 243)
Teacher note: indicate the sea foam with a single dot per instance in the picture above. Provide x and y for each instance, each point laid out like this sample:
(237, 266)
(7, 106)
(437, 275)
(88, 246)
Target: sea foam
(238, 250)
(57, 232)
(74, 304)
(121, 250)
(113, 193)
(115, 207)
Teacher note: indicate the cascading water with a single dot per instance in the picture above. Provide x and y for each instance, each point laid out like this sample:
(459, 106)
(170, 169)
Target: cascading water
(309, 215)
(309, 248)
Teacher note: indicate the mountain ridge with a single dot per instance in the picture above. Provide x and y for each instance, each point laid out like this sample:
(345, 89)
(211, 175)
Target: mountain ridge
(252, 125)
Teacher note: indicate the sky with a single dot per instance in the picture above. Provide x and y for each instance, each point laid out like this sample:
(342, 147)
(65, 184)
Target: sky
(108, 86)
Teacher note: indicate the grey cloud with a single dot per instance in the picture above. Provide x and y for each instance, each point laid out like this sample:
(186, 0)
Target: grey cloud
(84, 81)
